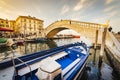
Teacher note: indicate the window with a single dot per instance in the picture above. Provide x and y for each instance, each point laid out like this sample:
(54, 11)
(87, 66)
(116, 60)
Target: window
(7, 25)
(29, 21)
(29, 25)
(34, 27)
(24, 20)
(1, 21)
(6, 22)
(24, 24)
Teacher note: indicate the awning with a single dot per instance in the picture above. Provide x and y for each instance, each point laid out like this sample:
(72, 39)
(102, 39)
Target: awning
(6, 29)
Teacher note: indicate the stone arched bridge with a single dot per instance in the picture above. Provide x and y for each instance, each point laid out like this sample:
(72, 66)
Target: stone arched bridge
(86, 29)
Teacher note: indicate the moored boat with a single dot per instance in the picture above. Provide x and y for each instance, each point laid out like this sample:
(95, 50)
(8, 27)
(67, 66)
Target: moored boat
(4, 42)
(60, 63)
(66, 64)
(36, 40)
(20, 41)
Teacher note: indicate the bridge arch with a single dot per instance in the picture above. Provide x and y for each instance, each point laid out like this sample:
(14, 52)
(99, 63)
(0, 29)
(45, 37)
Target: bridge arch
(86, 29)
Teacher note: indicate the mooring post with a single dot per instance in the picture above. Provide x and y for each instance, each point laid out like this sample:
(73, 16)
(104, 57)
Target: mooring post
(102, 45)
(96, 39)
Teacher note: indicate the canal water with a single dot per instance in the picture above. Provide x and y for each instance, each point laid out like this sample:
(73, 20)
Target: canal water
(91, 72)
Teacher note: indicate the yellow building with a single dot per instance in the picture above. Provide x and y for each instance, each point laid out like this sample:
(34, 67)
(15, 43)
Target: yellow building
(29, 25)
(12, 24)
(4, 23)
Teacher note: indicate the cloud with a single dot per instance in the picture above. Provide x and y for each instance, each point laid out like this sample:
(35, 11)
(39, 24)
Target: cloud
(108, 1)
(111, 10)
(79, 5)
(113, 13)
(65, 9)
(83, 4)
(100, 19)
(5, 5)
(107, 9)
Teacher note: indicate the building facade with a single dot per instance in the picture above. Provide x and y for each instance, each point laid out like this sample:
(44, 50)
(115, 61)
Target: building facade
(12, 25)
(4, 23)
(27, 25)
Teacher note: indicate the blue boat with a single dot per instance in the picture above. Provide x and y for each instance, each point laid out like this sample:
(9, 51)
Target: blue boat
(62, 63)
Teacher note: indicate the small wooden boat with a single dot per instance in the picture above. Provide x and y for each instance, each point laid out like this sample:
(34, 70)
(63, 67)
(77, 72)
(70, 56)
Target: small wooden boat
(20, 41)
(64, 64)
(3, 40)
(36, 40)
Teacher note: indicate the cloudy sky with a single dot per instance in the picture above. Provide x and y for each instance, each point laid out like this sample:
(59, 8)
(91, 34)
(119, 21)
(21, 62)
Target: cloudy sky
(51, 10)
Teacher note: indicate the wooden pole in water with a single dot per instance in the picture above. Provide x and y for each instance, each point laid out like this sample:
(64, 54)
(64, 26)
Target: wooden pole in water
(102, 45)
(104, 32)
(96, 39)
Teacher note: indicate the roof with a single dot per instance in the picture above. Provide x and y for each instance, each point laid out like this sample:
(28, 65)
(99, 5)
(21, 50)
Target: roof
(29, 17)
(11, 20)
(2, 19)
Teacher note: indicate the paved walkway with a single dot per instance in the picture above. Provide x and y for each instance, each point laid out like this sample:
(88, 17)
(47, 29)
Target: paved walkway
(117, 36)
(114, 48)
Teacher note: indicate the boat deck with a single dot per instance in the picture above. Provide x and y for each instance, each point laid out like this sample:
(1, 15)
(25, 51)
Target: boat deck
(64, 62)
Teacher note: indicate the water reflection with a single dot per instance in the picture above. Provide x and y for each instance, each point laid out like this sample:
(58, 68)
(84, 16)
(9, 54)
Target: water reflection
(94, 57)
(94, 72)
(51, 44)
(29, 48)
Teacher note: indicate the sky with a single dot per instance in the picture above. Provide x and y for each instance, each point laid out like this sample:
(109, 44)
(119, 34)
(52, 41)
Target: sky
(98, 11)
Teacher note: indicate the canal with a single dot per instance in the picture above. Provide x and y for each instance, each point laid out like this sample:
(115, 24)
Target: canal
(91, 72)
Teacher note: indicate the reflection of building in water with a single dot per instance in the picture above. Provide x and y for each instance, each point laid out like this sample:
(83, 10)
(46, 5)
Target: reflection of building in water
(20, 50)
(29, 48)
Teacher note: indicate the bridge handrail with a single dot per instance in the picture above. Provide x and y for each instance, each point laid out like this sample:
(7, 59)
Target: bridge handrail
(116, 42)
(78, 22)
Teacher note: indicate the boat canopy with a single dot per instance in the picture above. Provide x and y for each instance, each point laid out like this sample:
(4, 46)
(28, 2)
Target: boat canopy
(6, 29)
(3, 40)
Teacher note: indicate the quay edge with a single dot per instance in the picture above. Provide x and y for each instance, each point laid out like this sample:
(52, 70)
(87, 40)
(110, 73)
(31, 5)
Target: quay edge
(114, 60)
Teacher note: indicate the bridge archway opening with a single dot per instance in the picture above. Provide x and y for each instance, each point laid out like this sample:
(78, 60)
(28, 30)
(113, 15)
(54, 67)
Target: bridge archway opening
(69, 32)
(59, 30)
